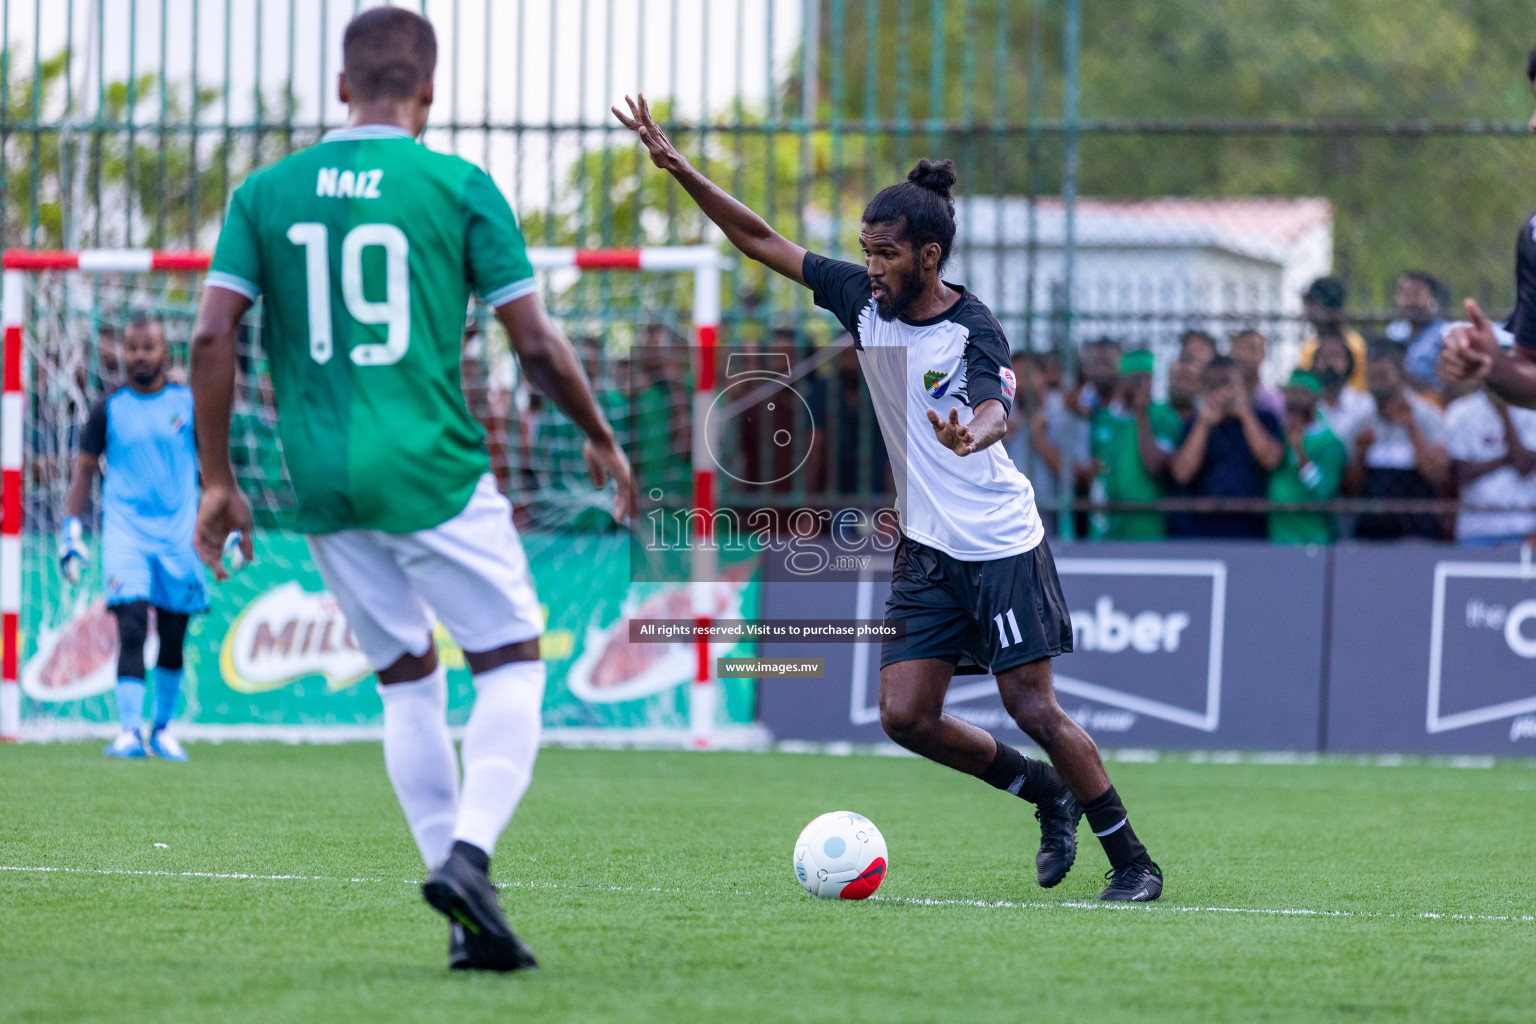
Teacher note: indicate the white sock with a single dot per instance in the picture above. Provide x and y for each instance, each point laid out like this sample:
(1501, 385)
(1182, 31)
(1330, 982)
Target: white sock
(418, 755)
(501, 741)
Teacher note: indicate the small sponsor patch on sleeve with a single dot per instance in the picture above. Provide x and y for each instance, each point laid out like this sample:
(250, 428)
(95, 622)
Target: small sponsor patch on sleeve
(1010, 382)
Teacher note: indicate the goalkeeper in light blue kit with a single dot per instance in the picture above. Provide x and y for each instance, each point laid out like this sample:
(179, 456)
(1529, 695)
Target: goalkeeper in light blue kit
(141, 438)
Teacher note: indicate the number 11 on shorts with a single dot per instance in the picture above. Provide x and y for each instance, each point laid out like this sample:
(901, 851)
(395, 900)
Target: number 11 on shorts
(1002, 634)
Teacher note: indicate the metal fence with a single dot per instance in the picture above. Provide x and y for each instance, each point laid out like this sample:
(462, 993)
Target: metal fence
(1132, 171)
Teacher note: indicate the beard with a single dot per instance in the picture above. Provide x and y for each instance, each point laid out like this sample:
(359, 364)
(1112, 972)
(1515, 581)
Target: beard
(898, 302)
(144, 374)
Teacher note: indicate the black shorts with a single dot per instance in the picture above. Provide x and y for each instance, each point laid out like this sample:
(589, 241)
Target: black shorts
(978, 616)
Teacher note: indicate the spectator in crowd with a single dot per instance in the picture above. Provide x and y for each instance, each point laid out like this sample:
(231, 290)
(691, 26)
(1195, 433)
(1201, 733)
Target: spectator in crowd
(1183, 396)
(1249, 348)
(1342, 404)
(109, 352)
(1042, 431)
(1049, 364)
(1493, 455)
(773, 436)
(254, 449)
(1183, 388)
(488, 397)
(1098, 368)
(1196, 347)
(1323, 303)
(556, 443)
(1313, 467)
(660, 381)
(1133, 437)
(1398, 450)
(1099, 371)
(1419, 298)
(862, 461)
(1228, 451)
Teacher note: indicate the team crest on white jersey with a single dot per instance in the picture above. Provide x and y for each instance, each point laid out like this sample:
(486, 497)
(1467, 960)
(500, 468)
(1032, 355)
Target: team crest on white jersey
(936, 382)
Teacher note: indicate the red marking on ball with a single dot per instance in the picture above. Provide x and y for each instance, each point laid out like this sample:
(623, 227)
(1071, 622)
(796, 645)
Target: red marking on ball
(865, 885)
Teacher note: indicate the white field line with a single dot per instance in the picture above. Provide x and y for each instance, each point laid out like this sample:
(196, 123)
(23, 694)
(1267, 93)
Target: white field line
(916, 901)
(237, 875)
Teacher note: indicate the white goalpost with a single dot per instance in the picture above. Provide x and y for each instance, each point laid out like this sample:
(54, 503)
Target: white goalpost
(19, 266)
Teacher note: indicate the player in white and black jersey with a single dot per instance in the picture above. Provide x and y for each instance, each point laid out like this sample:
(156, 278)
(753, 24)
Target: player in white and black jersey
(1504, 361)
(974, 582)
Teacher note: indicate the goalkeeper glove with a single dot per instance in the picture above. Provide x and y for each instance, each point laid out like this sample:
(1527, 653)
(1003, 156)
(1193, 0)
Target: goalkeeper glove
(72, 553)
(233, 556)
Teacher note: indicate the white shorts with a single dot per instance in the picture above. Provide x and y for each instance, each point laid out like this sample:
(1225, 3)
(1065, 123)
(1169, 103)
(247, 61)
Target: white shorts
(471, 571)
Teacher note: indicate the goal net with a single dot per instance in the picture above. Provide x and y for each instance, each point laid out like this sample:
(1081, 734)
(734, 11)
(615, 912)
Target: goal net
(273, 654)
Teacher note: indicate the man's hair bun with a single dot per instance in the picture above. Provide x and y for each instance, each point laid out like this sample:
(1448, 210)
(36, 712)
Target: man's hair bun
(934, 175)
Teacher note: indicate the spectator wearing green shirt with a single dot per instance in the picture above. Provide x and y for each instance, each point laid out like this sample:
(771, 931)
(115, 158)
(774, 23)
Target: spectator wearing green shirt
(1313, 467)
(1132, 439)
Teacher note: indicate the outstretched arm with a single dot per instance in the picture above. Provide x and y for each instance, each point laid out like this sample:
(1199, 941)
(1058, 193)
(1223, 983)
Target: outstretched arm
(551, 365)
(746, 230)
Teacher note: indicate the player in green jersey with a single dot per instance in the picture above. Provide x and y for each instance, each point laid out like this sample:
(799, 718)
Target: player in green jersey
(365, 249)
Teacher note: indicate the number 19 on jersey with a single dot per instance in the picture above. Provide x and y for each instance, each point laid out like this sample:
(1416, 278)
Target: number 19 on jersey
(393, 313)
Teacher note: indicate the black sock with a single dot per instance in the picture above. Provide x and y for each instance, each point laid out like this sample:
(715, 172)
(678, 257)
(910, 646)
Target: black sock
(1030, 780)
(1106, 816)
(472, 853)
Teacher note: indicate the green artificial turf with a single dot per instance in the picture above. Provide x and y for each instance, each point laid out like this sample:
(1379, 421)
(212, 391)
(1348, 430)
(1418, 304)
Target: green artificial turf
(657, 886)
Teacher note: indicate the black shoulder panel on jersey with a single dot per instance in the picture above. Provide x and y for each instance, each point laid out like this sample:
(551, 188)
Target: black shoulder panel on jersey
(986, 354)
(93, 439)
(1522, 323)
(838, 286)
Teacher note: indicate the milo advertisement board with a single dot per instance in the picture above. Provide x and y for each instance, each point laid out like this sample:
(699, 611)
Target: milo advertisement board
(274, 648)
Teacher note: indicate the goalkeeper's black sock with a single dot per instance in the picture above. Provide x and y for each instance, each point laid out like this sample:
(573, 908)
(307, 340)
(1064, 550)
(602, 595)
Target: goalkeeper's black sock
(1106, 816)
(1031, 780)
(472, 853)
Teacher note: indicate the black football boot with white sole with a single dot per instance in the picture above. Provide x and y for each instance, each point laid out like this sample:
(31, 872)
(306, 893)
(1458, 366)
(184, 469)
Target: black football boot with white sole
(1140, 881)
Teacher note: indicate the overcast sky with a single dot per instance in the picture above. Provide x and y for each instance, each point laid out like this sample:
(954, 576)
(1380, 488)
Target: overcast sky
(599, 49)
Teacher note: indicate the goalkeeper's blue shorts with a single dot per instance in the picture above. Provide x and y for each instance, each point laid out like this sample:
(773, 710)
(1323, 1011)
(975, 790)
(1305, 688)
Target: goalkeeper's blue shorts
(165, 576)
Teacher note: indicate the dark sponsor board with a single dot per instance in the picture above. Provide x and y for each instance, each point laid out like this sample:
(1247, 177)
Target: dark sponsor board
(1433, 651)
(1216, 646)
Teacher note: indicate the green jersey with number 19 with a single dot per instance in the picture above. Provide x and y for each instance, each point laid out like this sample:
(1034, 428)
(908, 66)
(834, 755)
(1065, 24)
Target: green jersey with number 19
(365, 248)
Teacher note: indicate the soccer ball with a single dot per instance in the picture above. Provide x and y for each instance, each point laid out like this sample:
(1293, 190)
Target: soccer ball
(840, 855)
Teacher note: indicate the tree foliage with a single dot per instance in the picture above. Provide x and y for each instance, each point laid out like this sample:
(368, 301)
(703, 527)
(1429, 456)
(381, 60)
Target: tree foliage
(1448, 202)
(143, 187)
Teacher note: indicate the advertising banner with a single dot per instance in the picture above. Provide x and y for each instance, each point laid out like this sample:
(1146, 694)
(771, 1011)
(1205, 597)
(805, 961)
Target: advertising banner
(274, 648)
(1215, 646)
(1433, 651)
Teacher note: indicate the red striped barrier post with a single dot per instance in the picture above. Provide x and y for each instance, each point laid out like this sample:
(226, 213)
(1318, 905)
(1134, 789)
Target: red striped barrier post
(14, 295)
